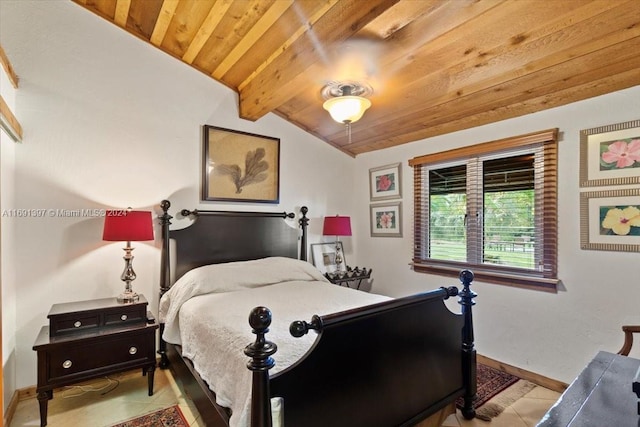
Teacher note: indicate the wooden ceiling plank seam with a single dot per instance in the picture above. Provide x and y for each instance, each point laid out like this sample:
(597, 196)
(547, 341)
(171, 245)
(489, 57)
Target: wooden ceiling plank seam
(455, 90)
(8, 68)
(254, 34)
(399, 16)
(555, 80)
(207, 28)
(444, 52)
(595, 88)
(302, 29)
(164, 19)
(255, 102)
(122, 12)
(187, 19)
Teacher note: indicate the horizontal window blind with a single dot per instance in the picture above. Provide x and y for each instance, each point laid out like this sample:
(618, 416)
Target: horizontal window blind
(490, 207)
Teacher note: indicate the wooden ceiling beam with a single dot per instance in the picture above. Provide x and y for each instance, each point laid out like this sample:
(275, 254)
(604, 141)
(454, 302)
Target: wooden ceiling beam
(164, 19)
(207, 28)
(272, 15)
(122, 12)
(266, 90)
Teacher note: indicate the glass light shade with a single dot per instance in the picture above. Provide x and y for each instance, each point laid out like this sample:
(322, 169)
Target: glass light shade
(347, 109)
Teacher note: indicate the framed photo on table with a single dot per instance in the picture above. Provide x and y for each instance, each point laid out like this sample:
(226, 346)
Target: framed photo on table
(610, 220)
(324, 257)
(610, 155)
(386, 219)
(385, 182)
(240, 166)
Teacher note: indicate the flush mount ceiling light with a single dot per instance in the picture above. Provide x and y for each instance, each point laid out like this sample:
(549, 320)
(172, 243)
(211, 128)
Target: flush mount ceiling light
(346, 102)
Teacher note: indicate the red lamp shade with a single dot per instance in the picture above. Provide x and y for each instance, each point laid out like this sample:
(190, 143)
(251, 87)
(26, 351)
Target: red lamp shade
(337, 226)
(127, 226)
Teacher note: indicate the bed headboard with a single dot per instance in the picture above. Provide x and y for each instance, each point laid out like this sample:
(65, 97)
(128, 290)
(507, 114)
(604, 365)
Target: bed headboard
(223, 236)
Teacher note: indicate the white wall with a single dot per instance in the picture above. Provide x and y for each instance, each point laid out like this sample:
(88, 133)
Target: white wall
(7, 281)
(111, 122)
(551, 334)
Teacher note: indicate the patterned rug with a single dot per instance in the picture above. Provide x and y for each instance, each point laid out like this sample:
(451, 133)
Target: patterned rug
(168, 417)
(501, 388)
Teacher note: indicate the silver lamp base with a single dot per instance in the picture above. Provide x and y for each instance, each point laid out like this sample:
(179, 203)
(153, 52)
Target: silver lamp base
(128, 297)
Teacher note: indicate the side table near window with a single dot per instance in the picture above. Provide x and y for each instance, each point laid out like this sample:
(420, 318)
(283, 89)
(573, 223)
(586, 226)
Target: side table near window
(351, 275)
(90, 339)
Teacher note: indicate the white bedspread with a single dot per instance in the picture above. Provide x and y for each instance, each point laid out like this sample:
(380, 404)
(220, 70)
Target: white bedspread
(213, 327)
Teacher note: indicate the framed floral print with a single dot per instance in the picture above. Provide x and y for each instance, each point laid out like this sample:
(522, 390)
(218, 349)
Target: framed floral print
(610, 155)
(385, 182)
(386, 220)
(610, 220)
(240, 166)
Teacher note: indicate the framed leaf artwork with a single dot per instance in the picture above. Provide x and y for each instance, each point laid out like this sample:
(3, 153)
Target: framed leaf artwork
(240, 166)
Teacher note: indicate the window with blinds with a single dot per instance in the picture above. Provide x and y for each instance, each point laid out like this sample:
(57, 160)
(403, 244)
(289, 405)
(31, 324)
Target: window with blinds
(490, 208)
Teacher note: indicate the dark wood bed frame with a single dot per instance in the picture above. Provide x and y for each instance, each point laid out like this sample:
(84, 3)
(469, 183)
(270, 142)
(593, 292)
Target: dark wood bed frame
(394, 363)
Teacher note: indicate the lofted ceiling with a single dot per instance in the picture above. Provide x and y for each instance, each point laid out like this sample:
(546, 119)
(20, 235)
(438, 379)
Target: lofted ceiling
(435, 66)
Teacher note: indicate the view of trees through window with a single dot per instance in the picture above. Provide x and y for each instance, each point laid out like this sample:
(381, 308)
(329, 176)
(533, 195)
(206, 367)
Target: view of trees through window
(504, 222)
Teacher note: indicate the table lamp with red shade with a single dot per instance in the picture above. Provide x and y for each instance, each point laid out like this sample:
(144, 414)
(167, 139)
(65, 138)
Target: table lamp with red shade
(127, 226)
(337, 226)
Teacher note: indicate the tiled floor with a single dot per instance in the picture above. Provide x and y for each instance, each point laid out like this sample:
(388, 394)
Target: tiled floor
(98, 404)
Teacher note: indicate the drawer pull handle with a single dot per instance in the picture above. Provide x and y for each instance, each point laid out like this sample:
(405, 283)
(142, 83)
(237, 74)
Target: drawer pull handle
(77, 324)
(67, 364)
(133, 350)
(123, 317)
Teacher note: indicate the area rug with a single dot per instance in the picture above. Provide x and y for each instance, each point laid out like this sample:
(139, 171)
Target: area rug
(496, 390)
(168, 417)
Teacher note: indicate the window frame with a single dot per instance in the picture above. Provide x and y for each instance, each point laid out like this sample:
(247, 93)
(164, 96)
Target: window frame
(544, 145)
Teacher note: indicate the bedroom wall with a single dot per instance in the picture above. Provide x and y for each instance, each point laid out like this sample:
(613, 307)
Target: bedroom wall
(551, 334)
(110, 122)
(7, 267)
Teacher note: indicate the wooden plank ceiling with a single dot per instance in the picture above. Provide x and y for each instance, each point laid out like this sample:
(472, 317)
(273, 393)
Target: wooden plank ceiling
(435, 66)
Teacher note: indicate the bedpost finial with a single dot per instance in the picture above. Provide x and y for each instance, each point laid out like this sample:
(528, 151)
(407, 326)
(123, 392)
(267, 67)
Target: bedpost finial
(466, 277)
(165, 205)
(304, 210)
(260, 319)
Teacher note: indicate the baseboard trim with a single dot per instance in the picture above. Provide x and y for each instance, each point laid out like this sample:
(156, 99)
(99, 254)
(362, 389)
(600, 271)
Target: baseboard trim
(538, 379)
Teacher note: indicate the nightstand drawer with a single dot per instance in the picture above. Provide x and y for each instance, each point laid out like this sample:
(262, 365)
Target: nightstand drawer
(74, 323)
(80, 316)
(115, 351)
(134, 313)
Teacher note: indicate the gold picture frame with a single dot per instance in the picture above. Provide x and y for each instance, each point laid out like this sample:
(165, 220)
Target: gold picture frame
(603, 220)
(240, 166)
(609, 155)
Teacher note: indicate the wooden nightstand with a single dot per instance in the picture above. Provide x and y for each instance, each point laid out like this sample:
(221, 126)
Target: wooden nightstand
(90, 339)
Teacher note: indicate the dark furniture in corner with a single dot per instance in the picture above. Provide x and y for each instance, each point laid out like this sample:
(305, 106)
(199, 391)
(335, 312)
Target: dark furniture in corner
(89, 339)
(351, 275)
(395, 363)
(602, 395)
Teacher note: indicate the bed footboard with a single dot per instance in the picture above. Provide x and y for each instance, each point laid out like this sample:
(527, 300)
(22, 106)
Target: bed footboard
(389, 364)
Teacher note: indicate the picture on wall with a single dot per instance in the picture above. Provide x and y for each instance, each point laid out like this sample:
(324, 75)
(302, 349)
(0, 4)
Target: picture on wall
(610, 155)
(385, 182)
(610, 220)
(240, 167)
(324, 257)
(386, 220)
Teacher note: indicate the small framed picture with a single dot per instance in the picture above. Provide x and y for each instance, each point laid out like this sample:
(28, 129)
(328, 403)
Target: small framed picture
(326, 259)
(610, 220)
(610, 155)
(385, 182)
(240, 166)
(386, 220)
